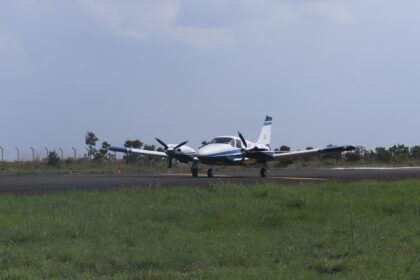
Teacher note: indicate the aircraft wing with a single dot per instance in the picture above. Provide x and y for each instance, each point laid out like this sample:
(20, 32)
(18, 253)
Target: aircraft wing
(138, 151)
(297, 154)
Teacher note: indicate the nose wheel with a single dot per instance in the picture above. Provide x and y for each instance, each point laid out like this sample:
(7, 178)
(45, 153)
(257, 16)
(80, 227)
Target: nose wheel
(194, 169)
(263, 170)
(194, 172)
(210, 173)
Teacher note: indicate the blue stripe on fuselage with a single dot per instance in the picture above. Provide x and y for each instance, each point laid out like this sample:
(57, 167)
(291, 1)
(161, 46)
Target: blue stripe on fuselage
(222, 158)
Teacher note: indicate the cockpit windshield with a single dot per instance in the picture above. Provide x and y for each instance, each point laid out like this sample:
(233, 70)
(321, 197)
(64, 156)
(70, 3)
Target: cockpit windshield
(223, 140)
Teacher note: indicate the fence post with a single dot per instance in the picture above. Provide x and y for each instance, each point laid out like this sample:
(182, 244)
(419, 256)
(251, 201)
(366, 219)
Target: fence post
(75, 152)
(33, 153)
(46, 149)
(2, 153)
(17, 153)
(61, 153)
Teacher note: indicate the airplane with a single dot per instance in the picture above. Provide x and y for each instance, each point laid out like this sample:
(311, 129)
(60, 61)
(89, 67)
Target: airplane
(230, 151)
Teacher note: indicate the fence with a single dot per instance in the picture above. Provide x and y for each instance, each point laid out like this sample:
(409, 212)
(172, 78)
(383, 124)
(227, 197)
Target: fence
(36, 154)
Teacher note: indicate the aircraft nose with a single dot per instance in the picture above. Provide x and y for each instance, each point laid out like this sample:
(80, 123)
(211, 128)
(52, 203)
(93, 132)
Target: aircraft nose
(203, 152)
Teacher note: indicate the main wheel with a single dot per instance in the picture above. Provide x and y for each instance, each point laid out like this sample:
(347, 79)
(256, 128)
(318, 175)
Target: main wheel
(210, 173)
(194, 172)
(263, 172)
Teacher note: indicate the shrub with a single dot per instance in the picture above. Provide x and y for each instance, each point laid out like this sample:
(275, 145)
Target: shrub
(53, 159)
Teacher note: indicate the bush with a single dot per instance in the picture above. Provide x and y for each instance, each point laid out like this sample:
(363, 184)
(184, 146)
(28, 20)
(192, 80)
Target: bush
(53, 159)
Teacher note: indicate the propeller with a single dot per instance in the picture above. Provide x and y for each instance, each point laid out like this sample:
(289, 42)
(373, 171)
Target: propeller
(162, 143)
(243, 139)
(180, 145)
(249, 150)
(170, 151)
(245, 144)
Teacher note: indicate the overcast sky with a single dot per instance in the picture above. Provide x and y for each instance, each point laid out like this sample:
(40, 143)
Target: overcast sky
(342, 72)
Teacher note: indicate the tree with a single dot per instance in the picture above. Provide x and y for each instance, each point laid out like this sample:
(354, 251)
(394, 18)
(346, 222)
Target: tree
(331, 156)
(400, 152)
(102, 154)
(137, 144)
(90, 140)
(415, 152)
(353, 156)
(53, 159)
(149, 147)
(283, 148)
(358, 154)
(382, 154)
(284, 162)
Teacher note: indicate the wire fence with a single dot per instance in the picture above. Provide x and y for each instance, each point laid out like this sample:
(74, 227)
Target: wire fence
(17, 154)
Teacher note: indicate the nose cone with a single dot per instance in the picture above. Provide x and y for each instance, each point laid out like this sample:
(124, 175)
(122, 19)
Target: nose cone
(205, 151)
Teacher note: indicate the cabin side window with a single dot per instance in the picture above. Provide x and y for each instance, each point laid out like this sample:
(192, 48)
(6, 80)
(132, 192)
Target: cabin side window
(223, 140)
(238, 144)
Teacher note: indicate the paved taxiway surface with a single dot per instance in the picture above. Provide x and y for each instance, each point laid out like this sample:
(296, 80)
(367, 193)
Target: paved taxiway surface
(33, 184)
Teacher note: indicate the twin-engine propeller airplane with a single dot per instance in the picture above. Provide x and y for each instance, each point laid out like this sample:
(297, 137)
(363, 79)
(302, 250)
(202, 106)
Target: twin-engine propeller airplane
(230, 150)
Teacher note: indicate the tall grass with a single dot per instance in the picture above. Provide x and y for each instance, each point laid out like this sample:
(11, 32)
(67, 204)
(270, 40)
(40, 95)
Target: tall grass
(365, 230)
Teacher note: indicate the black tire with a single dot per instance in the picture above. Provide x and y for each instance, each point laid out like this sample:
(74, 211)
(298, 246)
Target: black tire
(263, 172)
(194, 172)
(210, 173)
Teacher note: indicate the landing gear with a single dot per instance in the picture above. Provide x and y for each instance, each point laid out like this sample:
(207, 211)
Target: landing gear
(263, 170)
(194, 172)
(210, 173)
(194, 169)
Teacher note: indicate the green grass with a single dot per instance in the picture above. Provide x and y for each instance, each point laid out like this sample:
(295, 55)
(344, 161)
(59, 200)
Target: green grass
(82, 166)
(120, 166)
(365, 230)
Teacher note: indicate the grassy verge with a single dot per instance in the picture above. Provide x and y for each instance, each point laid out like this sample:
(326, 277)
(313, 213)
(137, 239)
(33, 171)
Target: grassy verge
(120, 166)
(81, 166)
(365, 230)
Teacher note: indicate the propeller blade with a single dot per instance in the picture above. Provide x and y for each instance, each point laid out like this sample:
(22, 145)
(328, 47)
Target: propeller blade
(170, 162)
(180, 145)
(162, 143)
(243, 139)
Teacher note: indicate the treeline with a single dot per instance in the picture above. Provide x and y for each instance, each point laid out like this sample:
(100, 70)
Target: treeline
(396, 155)
(102, 153)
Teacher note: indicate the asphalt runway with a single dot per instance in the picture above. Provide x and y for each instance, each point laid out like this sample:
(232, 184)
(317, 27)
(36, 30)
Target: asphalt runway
(36, 184)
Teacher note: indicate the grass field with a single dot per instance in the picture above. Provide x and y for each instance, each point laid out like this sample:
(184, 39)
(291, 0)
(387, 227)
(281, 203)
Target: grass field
(365, 230)
(82, 166)
(120, 166)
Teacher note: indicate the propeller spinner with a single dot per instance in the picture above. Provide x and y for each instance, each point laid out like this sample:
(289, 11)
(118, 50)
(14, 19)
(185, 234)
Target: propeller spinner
(170, 150)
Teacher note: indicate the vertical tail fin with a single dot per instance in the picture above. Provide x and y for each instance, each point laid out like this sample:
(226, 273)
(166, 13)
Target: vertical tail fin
(265, 135)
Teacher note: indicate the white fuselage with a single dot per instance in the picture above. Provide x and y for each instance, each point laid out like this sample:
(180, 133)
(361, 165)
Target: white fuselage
(224, 150)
